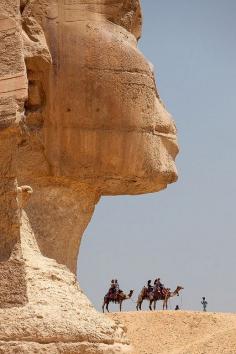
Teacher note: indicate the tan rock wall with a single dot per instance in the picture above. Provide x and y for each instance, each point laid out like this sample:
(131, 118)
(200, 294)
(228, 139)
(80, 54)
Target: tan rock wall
(80, 117)
(13, 92)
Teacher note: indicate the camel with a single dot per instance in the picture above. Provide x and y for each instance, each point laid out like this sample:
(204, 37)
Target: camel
(155, 296)
(120, 297)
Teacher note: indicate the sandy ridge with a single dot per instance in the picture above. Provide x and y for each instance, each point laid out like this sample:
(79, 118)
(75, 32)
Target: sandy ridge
(173, 332)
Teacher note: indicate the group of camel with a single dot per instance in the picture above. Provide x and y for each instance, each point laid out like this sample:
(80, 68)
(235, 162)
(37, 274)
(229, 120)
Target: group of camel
(152, 297)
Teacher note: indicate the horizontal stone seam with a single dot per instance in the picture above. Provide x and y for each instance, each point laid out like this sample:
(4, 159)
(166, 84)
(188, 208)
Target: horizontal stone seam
(86, 2)
(14, 90)
(144, 131)
(12, 76)
(123, 179)
(64, 341)
(135, 71)
(77, 6)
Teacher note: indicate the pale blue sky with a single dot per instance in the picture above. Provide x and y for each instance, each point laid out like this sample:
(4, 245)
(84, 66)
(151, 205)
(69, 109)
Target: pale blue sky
(185, 234)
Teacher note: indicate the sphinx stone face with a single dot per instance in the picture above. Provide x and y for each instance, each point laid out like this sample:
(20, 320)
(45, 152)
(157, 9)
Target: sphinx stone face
(104, 121)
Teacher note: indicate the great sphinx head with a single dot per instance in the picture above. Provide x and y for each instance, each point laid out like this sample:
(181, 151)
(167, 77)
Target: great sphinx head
(93, 105)
(92, 122)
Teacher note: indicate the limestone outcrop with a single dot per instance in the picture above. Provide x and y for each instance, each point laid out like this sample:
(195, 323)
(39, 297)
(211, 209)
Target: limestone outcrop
(80, 117)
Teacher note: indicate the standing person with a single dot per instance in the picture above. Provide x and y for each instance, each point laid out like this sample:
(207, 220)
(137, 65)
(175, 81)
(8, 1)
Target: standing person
(204, 304)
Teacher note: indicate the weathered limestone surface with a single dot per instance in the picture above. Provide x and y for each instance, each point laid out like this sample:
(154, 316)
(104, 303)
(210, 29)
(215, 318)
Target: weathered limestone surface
(80, 117)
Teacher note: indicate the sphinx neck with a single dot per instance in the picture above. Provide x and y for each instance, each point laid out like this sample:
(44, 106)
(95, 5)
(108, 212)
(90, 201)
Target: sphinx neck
(59, 212)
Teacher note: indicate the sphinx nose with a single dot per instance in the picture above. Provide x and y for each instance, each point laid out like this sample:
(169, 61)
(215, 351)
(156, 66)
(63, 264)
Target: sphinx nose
(164, 123)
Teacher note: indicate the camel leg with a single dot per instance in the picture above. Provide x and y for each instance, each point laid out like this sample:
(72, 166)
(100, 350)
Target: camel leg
(150, 305)
(139, 302)
(120, 306)
(103, 306)
(140, 305)
(165, 304)
(155, 303)
(107, 306)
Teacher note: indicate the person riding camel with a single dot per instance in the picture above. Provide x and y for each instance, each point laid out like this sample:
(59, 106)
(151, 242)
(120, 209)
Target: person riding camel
(149, 286)
(158, 285)
(112, 290)
(117, 287)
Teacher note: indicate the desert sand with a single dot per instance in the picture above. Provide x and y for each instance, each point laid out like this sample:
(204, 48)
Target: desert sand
(180, 332)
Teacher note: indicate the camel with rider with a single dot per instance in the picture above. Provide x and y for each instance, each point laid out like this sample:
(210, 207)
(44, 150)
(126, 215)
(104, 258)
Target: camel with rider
(117, 299)
(155, 296)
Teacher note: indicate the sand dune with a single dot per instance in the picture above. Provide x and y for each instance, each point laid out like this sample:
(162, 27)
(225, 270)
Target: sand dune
(179, 332)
